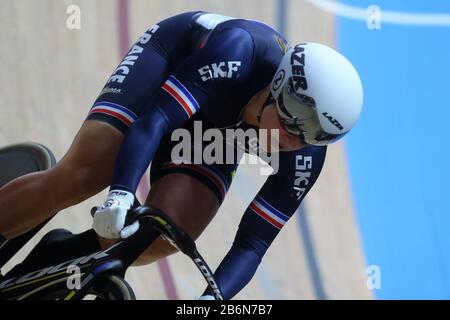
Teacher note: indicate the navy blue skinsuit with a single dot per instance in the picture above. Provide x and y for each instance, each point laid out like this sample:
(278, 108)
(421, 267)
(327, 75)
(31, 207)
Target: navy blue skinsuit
(205, 67)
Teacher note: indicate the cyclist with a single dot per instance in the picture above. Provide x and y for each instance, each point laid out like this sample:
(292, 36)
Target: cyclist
(227, 73)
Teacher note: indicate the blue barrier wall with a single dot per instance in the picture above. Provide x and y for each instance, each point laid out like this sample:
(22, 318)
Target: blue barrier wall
(399, 151)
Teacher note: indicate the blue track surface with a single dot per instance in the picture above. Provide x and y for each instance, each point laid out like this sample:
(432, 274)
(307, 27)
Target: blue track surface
(399, 152)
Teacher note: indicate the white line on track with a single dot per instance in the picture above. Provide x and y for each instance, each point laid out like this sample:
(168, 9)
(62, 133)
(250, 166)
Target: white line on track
(387, 16)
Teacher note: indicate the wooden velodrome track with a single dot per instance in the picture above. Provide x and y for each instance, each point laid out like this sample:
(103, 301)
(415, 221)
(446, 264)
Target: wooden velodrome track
(50, 77)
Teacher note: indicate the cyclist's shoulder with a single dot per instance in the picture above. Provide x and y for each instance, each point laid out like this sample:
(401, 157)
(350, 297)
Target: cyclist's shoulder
(269, 45)
(268, 41)
(262, 35)
(255, 28)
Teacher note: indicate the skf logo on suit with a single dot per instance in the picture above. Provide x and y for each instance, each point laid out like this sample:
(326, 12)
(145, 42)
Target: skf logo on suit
(224, 69)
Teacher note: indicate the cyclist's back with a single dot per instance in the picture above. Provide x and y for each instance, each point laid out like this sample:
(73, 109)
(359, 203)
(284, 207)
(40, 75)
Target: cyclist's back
(205, 56)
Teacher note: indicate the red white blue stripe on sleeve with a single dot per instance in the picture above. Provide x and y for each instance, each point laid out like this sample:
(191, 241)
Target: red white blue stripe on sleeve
(182, 95)
(263, 209)
(115, 110)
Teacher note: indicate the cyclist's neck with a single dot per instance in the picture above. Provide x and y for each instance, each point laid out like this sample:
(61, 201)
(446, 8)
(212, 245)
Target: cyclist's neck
(254, 107)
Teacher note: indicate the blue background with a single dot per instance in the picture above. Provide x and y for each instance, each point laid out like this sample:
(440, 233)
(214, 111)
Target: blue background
(399, 151)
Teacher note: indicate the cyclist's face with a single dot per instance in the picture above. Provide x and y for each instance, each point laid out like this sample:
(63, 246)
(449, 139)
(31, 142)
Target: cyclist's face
(270, 121)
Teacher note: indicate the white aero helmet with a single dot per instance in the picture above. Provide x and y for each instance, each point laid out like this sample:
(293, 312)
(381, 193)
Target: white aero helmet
(318, 93)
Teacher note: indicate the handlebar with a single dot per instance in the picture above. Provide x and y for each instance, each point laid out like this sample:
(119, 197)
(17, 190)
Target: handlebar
(175, 235)
(164, 225)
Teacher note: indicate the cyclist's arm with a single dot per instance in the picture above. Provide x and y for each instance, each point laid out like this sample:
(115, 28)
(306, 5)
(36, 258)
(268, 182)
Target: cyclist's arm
(270, 210)
(182, 95)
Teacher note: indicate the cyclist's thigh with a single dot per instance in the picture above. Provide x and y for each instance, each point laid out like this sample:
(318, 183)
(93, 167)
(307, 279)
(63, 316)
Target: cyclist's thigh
(188, 202)
(189, 194)
(95, 145)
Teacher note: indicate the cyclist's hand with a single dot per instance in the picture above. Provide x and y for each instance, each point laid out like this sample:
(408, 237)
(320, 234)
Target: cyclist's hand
(109, 219)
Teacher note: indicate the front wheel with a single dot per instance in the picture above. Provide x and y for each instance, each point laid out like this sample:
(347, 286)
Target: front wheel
(111, 287)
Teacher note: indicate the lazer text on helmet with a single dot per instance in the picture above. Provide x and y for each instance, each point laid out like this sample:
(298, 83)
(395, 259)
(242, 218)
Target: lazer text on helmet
(298, 68)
